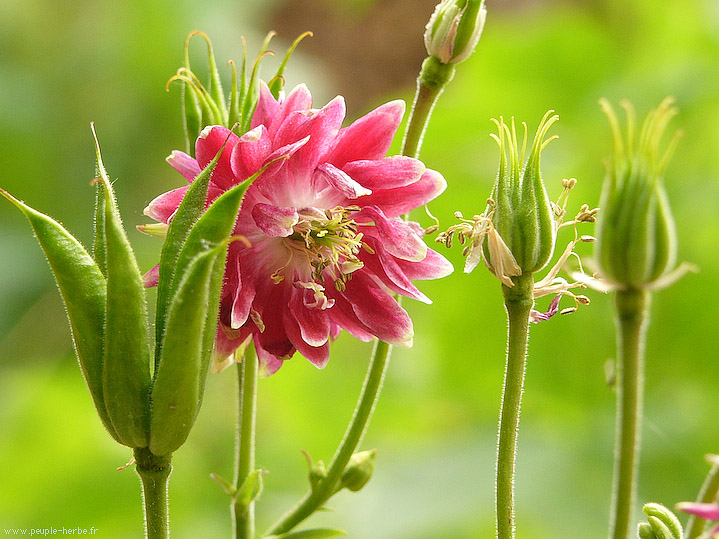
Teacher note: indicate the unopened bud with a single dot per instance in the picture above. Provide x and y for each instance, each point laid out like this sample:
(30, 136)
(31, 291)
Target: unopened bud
(454, 29)
(636, 236)
(359, 470)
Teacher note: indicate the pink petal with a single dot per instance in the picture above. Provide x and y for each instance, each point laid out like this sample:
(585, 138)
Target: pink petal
(274, 221)
(320, 125)
(386, 268)
(538, 316)
(396, 236)
(318, 355)
(314, 324)
(378, 311)
(250, 152)
(151, 278)
(707, 511)
(208, 144)
(387, 173)
(340, 181)
(267, 107)
(299, 99)
(269, 364)
(184, 164)
(163, 207)
(400, 200)
(433, 266)
(370, 136)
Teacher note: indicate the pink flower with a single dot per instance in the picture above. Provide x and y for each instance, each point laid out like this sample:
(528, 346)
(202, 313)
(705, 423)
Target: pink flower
(328, 246)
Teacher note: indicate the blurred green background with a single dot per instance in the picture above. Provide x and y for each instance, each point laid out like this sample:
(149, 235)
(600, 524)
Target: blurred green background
(64, 64)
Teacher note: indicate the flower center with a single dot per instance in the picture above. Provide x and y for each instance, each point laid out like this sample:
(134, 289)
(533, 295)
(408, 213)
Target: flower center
(329, 241)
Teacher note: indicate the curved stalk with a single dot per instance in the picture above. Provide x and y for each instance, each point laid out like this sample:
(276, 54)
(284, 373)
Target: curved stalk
(518, 302)
(632, 320)
(247, 371)
(369, 395)
(154, 472)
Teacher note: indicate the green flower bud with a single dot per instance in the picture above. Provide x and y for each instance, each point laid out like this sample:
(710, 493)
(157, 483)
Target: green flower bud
(359, 470)
(520, 209)
(454, 29)
(636, 236)
(661, 523)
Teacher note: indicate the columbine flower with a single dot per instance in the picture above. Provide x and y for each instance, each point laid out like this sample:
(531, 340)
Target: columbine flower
(328, 247)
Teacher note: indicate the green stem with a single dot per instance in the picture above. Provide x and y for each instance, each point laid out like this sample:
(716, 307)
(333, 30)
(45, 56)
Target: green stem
(353, 436)
(154, 472)
(518, 302)
(707, 494)
(247, 370)
(432, 79)
(632, 307)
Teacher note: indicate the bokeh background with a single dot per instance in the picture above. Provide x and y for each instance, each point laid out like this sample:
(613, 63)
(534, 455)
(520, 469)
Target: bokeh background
(64, 64)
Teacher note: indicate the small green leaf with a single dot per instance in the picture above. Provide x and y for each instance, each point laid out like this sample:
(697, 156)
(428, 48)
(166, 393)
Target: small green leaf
(314, 533)
(176, 391)
(82, 287)
(228, 487)
(249, 491)
(127, 351)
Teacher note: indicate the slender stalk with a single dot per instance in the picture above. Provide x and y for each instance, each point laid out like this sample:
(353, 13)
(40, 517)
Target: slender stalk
(518, 302)
(632, 319)
(244, 517)
(707, 494)
(432, 79)
(154, 472)
(352, 438)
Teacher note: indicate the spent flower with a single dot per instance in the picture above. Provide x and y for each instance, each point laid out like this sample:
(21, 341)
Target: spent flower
(516, 234)
(328, 248)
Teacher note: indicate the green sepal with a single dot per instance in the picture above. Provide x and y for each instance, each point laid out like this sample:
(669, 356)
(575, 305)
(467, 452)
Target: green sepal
(176, 389)
(249, 99)
(191, 111)
(98, 246)
(314, 533)
(278, 81)
(127, 349)
(218, 96)
(83, 290)
(185, 217)
(249, 491)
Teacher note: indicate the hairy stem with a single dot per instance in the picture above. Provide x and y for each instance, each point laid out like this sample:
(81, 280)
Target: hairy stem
(154, 472)
(632, 320)
(518, 302)
(244, 517)
(369, 395)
